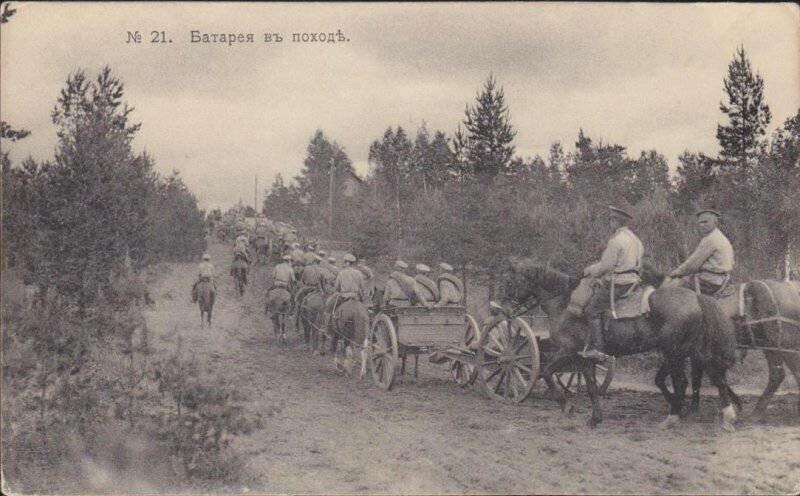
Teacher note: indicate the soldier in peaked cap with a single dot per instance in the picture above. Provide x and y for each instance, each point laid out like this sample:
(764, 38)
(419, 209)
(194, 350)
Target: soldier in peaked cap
(425, 287)
(708, 268)
(620, 266)
(451, 288)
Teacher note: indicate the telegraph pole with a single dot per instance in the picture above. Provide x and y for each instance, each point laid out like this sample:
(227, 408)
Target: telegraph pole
(255, 196)
(330, 200)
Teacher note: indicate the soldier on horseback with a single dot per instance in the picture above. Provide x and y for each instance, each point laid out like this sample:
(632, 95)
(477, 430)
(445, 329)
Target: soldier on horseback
(283, 275)
(708, 268)
(311, 278)
(619, 267)
(205, 273)
(348, 306)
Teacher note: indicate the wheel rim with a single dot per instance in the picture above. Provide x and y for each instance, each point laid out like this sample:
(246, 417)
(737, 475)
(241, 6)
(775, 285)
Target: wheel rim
(574, 382)
(382, 353)
(508, 361)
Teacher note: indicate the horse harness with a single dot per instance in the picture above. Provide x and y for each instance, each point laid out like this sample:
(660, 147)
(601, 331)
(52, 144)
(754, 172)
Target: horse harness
(777, 318)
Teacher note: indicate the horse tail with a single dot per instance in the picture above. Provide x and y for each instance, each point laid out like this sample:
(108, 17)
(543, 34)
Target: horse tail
(719, 334)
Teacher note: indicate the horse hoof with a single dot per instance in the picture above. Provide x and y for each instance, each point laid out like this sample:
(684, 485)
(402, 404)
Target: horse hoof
(669, 422)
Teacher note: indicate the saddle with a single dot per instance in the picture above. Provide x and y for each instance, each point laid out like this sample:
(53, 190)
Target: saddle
(634, 304)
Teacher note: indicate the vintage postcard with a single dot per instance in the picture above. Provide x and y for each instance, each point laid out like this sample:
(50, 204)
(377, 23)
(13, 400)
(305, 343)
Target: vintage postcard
(400, 248)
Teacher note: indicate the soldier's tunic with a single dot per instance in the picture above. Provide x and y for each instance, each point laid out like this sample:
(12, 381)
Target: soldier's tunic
(622, 261)
(427, 289)
(450, 288)
(712, 261)
(283, 275)
(349, 283)
(206, 271)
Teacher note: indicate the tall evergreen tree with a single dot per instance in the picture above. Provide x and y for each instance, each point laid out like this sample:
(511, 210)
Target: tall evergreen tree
(748, 114)
(488, 133)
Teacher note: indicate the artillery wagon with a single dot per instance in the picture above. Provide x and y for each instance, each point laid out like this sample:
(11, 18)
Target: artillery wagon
(505, 356)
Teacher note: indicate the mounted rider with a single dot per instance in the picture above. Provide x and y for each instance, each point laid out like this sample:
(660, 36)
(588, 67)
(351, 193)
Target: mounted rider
(369, 280)
(240, 247)
(425, 287)
(451, 288)
(205, 273)
(298, 259)
(311, 279)
(619, 267)
(708, 268)
(349, 293)
(283, 275)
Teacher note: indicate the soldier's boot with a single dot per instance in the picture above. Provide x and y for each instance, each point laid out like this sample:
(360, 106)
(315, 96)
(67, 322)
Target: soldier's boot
(595, 344)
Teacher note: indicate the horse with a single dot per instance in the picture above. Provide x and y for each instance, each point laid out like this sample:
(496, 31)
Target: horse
(766, 302)
(680, 324)
(239, 273)
(205, 300)
(310, 315)
(278, 306)
(261, 246)
(348, 324)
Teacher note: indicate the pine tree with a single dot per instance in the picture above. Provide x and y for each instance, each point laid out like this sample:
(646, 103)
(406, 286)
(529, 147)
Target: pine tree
(748, 114)
(489, 133)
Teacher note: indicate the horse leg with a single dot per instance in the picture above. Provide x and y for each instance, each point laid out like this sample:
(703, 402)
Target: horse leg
(661, 375)
(697, 382)
(793, 362)
(776, 376)
(594, 396)
(556, 364)
(717, 376)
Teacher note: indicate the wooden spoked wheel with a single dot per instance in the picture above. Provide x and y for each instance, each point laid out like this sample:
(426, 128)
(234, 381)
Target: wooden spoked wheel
(382, 351)
(508, 360)
(573, 382)
(462, 372)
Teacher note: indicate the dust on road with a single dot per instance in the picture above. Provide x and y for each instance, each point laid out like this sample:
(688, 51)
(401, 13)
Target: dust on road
(325, 433)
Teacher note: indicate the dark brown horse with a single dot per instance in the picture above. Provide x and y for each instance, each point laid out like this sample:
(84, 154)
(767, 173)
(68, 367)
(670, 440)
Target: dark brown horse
(775, 306)
(680, 325)
(310, 316)
(205, 300)
(279, 306)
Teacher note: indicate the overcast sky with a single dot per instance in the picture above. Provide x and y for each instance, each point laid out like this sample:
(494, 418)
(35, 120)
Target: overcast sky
(643, 76)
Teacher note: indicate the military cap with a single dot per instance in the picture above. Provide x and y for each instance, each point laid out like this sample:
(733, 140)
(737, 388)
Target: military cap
(446, 267)
(619, 212)
(332, 259)
(349, 258)
(295, 245)
(495, 305)
(399, 264)
(287, 257)
(422, 268)
(322, 253)
(206, 256)
(708, 211)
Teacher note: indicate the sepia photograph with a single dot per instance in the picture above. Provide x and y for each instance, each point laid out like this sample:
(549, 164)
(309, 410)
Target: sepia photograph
(417, 248)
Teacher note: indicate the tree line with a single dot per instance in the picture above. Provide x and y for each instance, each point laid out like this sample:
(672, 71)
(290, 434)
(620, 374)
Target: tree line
(468, 198)
(97, 209)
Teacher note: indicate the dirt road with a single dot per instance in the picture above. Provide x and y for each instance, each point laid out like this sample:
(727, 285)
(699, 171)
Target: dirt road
(327, 434)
